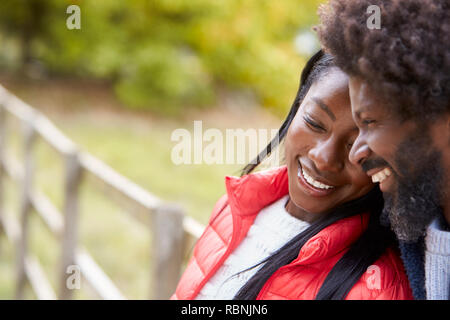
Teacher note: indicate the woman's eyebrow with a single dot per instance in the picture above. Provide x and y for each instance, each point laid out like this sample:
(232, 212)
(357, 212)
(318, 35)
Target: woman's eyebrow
(324, 107)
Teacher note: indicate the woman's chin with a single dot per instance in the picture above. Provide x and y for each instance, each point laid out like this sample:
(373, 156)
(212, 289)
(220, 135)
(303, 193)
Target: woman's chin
(304, 200)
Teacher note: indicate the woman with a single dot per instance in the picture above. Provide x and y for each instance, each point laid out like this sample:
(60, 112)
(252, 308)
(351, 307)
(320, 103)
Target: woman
(307, 230)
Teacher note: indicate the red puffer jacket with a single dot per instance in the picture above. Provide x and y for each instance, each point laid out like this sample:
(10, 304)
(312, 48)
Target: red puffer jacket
(232, 217)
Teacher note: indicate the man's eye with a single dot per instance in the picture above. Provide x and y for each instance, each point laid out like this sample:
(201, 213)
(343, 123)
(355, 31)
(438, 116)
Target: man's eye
(314, 125)
(367, 122)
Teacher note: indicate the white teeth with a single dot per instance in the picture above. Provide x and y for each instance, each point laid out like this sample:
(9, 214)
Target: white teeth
(314, 182)
(381, 175)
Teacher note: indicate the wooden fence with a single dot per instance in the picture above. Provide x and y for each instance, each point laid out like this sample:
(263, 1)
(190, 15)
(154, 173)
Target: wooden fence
(172, 232)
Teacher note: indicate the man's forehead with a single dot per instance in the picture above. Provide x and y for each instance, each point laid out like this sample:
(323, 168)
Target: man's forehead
(363, 96)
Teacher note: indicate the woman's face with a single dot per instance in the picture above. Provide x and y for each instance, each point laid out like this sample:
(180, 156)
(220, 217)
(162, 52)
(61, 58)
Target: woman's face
(317, 144)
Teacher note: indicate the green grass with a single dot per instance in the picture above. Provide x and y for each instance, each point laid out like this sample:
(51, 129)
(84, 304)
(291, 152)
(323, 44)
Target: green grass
(143, 154)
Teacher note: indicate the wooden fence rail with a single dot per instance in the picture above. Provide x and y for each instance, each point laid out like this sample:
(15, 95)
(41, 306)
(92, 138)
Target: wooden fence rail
(172, 231)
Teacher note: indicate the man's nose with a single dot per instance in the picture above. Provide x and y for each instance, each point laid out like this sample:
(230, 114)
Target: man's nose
(359, 151)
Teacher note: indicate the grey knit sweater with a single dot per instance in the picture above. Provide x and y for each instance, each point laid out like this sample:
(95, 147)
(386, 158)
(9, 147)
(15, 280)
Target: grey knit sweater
(437, 261)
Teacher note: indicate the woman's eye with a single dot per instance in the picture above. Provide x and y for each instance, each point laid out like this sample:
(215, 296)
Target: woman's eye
(314, 125)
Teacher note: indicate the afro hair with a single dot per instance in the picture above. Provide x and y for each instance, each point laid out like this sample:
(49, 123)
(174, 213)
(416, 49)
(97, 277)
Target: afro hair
(406, 62)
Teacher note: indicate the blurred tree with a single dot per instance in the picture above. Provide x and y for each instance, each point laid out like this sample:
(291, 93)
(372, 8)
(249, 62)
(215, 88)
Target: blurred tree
(168, 54)
(24, 19)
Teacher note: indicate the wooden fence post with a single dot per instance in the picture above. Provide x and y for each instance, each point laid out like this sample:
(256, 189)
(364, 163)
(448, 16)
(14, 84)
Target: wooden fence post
(69, 241)
(25, 206)
(168, 222)
(168, 248)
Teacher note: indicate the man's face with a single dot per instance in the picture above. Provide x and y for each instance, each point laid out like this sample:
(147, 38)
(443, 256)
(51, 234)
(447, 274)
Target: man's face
(404, 156)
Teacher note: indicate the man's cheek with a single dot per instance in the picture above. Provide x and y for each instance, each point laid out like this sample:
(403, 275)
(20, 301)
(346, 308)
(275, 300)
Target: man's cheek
(382, 146)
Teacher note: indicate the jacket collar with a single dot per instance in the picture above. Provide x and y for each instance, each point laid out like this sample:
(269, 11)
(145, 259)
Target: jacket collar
(248, 194)
(333, 239)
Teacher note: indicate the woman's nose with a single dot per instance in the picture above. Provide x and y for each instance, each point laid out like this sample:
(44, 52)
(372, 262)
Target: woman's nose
(327, 157)
(359, 151)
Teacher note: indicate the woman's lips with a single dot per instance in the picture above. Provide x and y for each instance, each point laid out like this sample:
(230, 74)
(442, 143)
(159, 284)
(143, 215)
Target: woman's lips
(311, 185)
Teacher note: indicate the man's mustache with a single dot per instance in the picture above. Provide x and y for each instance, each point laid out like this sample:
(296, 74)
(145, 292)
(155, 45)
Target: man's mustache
(370, 164)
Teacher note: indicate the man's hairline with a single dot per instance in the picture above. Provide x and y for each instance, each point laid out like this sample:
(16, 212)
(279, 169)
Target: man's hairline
(379, 100)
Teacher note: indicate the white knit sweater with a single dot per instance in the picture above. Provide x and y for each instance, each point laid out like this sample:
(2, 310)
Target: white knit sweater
(437, 262)
(272, 228)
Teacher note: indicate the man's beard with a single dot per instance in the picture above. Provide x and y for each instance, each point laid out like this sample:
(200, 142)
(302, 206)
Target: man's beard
(419, 189)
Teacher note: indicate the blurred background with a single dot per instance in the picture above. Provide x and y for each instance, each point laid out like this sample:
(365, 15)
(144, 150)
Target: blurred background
(120, 85)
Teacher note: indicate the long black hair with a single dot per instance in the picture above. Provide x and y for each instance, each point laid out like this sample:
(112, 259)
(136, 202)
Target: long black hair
(361, 254)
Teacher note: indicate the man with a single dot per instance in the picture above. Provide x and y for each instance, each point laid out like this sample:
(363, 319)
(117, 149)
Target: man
(400, 94)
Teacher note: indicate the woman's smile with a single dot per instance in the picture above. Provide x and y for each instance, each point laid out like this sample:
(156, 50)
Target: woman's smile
(313, 186)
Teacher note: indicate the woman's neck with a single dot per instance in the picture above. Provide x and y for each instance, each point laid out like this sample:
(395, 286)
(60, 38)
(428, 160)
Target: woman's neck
(300, 213)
